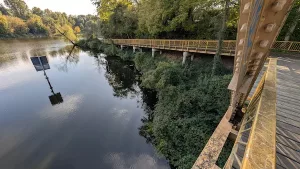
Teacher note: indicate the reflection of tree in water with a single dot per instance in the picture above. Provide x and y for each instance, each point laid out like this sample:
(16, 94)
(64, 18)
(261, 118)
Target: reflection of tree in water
(69, 54)
(122, 77)
(6, 60)
(149, 100)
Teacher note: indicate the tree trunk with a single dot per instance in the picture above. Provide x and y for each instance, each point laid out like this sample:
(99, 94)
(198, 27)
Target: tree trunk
(293, 26)
(217, 57)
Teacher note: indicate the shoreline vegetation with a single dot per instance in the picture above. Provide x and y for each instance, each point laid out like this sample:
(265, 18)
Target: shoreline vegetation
(190, 102)
(17, 20)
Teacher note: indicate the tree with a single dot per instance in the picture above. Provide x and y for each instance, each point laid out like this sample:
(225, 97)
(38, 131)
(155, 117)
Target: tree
(18, 7)
(4, 10)
(105, 7)
(293, 25)
(37, 11)
(3, 25)
(217, 57)
(68, 32)
(36, 26)
(77, 30)
(17, 25)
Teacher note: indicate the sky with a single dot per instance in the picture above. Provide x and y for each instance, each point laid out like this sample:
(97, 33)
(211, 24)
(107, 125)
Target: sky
(71, 7)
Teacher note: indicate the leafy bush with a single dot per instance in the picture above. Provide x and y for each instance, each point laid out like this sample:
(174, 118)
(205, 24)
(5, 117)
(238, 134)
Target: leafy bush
(36, 26)
(3, 25)
(17, 25)
(190, 106)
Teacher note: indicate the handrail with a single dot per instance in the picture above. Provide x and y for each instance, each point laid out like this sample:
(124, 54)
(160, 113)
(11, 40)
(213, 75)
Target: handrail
(200, 45)
(255, 146)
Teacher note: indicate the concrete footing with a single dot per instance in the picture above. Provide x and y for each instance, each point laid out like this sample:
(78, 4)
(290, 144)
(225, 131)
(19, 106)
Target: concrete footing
(185, 55)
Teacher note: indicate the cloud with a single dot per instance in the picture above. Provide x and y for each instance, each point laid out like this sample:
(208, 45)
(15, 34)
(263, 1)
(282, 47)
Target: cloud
(123, 161)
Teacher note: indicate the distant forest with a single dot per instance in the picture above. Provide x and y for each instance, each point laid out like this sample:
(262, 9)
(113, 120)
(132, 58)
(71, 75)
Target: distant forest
(17, 20)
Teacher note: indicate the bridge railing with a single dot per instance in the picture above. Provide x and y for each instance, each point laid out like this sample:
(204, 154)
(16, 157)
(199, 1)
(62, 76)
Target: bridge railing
(255, 146)
(198, 46)
(201, 46)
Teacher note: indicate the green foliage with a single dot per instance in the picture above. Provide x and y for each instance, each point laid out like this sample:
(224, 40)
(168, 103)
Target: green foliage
(190, 105)
(164, 19)
(17, 26)
(37, 11)
(19, 8)
(68, 32)
(3, 25)
(292, 16)
(36, 26)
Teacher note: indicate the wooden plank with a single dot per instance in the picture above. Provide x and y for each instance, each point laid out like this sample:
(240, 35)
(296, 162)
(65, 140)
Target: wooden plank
(288, 127)
(288, 152)
(279, 166)
(289, 110)
(286, 162)
(288, 142)
(289, 121)
(289, 134)
(291, 115)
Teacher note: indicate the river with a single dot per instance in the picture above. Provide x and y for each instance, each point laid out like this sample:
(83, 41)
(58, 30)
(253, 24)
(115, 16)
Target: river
(83, 113)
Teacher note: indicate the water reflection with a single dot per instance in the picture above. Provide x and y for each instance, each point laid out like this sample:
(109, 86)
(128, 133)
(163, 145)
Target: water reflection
(122, 77)
(95, 127)
(41, 64)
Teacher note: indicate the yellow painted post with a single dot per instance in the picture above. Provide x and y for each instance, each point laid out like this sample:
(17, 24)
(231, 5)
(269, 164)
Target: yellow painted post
(206, 46)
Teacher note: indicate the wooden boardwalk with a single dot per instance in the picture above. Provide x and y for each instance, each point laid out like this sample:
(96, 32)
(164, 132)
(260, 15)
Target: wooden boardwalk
(288, 113)
(198, 46)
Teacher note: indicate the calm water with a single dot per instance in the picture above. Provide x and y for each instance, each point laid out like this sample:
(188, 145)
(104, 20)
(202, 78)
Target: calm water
(96, 125)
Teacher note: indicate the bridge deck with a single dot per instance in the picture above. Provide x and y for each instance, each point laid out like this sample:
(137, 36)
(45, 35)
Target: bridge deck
(288, 113)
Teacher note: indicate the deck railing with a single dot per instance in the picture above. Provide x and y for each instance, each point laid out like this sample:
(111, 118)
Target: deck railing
(200, 46)
(255, 146)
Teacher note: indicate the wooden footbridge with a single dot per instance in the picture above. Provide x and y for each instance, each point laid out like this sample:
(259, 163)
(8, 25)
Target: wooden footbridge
(268, 136)
(199, 46)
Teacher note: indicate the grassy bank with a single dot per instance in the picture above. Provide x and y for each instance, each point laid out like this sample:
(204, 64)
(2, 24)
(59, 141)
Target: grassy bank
(190, 104)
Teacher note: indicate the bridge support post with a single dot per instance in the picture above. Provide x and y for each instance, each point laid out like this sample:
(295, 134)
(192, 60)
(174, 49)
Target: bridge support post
(134, 49)
(122, 47)
(192, 57)
(185, 55)
(153, 52)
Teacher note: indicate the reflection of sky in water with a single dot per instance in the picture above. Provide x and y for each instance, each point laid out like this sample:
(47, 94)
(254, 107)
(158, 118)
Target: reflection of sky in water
(98, 115)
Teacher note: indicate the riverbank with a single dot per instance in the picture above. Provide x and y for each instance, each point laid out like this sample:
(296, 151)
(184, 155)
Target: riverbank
(190, 103)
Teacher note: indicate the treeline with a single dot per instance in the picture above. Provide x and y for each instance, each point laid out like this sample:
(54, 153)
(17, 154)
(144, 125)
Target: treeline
(17, 20)
(180, 19)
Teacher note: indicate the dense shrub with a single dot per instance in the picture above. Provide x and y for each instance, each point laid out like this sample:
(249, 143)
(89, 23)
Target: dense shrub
(36, 26)
(17, 25)
(3, 25)
(190, 106)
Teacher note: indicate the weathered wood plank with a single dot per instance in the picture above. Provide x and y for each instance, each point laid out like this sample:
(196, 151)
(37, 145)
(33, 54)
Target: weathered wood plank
(286, 133)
